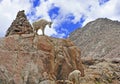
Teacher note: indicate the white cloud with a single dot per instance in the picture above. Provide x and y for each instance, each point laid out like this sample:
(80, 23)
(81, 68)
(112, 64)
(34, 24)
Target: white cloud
(107, 10)
(90, 9)
(43, 9)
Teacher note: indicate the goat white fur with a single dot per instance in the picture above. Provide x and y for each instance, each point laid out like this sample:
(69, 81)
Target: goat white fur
(41, 24)
(74, 76)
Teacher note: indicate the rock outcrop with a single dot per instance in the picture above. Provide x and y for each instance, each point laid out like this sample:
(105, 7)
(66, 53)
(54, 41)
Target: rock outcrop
(20, 25)
(29, 59)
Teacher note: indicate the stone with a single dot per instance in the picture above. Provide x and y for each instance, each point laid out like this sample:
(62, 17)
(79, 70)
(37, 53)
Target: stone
(20, 25)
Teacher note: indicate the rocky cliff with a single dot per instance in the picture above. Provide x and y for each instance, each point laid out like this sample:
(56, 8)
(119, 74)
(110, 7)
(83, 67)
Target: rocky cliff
(29, 59)
(25, 59)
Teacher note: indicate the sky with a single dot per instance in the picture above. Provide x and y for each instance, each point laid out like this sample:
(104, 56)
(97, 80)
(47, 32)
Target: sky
(66, 15)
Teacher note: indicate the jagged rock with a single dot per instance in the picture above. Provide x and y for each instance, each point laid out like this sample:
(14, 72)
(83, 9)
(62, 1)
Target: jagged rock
(20, 25)
(29, 59)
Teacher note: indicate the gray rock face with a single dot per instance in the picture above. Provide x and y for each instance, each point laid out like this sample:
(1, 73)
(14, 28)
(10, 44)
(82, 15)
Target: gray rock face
(98, 39)
(20, 25)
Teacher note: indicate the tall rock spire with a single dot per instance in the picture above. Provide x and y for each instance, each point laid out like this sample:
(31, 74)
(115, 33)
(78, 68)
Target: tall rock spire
(20, 25)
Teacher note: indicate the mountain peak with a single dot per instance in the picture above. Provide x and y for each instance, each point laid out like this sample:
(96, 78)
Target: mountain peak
(98, 38)
(102, 21)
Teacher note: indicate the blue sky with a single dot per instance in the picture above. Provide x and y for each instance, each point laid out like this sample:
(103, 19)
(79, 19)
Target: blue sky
(66, 15)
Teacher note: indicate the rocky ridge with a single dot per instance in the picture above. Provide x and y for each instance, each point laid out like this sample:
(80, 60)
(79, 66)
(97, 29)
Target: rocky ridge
(98, 39)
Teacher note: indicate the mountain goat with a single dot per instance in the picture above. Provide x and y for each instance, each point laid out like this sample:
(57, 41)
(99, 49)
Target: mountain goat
(41, 24)
(74, 76)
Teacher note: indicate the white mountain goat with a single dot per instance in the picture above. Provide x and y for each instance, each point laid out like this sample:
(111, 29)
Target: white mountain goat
(74, 76)
(41, 24)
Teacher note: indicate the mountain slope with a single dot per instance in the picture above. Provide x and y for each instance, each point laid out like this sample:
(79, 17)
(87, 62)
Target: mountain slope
(99, 38)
